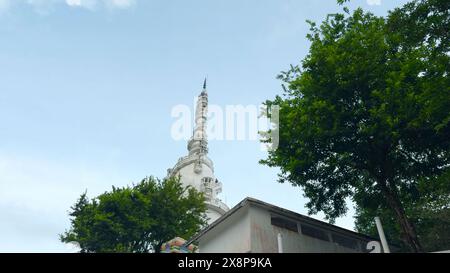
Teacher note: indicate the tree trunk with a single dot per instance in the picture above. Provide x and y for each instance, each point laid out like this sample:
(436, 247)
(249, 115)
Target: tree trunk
(157, 247)
(407, 227)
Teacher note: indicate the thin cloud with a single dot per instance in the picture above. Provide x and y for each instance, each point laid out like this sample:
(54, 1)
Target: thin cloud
(48, 6)
(374, 2)
(91, 4)
(121, 4)
(36, 195)
(87, 4)
(4, 5)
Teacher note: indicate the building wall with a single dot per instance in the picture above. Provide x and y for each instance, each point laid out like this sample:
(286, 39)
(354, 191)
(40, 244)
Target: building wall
(212, 215)
(189, 177)
(250, 229)
(264, 237)
(230, 236)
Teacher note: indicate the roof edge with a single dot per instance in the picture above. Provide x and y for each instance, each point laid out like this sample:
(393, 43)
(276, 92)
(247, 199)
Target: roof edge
(250, 200)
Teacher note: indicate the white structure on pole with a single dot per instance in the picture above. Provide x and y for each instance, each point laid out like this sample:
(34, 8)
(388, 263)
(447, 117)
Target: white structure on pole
(196, 169)
(382, 236)
(280, 243)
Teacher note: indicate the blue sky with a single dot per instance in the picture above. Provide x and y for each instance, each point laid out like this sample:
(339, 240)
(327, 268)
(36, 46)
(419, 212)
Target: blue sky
(87, 88)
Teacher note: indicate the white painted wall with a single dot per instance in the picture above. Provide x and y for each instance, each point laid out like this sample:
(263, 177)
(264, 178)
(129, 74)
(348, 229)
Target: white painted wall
(189, 177)
(212, 215)
(230, 236)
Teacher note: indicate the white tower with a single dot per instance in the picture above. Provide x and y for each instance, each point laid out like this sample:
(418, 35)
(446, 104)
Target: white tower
(196, 169)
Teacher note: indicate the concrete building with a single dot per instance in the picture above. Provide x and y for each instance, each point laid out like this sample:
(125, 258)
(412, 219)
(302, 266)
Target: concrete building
(197, 169)
(253, 226)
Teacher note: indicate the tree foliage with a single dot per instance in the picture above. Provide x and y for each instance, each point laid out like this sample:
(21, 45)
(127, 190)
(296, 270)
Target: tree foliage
(136, 219)
(428, 209)
(366, 114)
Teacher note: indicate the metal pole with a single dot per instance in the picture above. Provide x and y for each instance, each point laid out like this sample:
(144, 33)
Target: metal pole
(280, 243)
(382, 237)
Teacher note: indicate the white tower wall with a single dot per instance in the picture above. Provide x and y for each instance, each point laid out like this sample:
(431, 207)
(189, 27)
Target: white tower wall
(196, 169)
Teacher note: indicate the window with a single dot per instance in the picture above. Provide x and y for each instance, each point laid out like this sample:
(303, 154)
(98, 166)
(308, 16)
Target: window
(315, 233)
(284, 223)
(208, 192)
(345, 241)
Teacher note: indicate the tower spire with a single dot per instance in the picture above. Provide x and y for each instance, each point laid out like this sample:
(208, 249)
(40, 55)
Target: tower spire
(198, 144)
(197, 169)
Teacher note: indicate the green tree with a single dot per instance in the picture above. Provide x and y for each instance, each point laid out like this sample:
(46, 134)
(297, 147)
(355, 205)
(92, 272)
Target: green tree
(365, 116)
(139, 218)
(428, 209)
